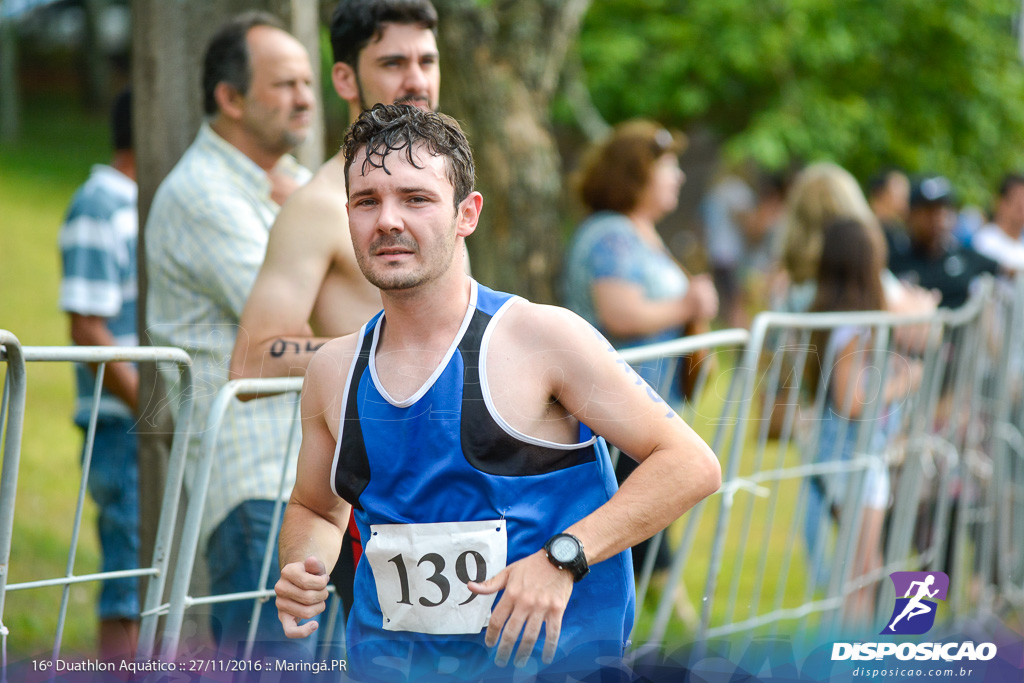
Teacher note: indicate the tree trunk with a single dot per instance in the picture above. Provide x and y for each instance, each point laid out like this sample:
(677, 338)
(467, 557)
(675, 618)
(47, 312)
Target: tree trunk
(10, 100)
(95, 71)
(500, 64)
(169, 40)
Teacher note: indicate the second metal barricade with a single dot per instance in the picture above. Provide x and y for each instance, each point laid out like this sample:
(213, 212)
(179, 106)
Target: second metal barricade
(180, 598)
(797, 512)
(14, 402)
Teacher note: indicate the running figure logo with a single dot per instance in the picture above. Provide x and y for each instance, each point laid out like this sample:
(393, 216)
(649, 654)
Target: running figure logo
(914, 613)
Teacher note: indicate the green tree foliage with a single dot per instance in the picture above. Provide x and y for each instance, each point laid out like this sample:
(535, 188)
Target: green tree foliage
(930, 85)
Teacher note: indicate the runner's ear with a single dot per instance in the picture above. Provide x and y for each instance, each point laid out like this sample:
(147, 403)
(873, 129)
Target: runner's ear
(468, 214)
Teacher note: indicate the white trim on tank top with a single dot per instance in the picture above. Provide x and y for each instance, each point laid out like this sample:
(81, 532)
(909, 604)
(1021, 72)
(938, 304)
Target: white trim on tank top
(470, 309)
(489, 402)
(344, 407)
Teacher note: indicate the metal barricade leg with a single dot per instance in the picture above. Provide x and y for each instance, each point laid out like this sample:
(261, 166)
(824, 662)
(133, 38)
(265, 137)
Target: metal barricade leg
(12, 416)
(163, 547)
(275, 527)
(180, 599)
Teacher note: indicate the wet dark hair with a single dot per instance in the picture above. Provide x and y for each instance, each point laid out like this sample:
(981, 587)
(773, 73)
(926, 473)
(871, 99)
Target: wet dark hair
(227, 55)
(388, 128)
(356, 22)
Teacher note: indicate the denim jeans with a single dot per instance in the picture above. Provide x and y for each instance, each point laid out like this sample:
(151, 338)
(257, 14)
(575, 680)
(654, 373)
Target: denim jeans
(235, 556)
(114, 485)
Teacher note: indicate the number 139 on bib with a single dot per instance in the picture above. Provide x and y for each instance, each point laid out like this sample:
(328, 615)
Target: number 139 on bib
(422, 572)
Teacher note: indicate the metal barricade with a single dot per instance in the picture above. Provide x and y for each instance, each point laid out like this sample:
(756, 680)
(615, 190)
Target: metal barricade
(14, 402)
(795, 485)
(12, 415)
(956, 424)
(720, 347)
(1002, 403)
(789, 524)
(1010, 475)
(180, 599)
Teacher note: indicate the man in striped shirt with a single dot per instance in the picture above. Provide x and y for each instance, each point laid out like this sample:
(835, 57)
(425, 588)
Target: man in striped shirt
(98, 292)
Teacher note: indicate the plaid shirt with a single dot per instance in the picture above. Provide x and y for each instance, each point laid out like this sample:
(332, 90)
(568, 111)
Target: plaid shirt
(206, 236)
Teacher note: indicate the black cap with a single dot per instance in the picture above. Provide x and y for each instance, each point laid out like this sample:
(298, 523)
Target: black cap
(930, 191)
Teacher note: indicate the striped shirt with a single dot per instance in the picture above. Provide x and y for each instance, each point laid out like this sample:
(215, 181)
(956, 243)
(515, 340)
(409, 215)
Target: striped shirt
(206, 236)
(97, 248)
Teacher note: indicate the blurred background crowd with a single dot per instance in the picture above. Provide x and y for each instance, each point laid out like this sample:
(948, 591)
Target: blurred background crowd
(660, 167)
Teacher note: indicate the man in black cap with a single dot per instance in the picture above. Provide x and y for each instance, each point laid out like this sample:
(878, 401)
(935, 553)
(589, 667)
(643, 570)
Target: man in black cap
(927, 255)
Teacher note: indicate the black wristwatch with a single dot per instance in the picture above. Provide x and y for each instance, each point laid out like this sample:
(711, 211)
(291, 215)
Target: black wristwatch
(566, 552)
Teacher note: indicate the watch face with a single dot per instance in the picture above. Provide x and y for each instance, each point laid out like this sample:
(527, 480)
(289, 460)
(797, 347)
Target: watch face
(564, 549)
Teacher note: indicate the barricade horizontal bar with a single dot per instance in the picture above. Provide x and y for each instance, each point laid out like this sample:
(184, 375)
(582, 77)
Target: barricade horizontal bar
(226, 597)
(822, 321)
(810, 469)
(84, 578)
(683, 345)
(104, 354)
(229, 597)
(792, 613)
(260, 385)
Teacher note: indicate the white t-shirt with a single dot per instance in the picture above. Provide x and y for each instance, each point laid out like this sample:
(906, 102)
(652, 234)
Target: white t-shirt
(992, 242)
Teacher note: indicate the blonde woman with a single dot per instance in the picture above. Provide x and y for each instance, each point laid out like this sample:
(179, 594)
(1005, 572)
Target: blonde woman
(821, 193)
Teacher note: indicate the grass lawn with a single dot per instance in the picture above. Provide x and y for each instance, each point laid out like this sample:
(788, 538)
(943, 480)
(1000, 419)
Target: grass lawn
(37, 178)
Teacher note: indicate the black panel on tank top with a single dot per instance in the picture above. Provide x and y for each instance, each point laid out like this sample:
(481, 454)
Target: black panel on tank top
(487, 446)
(353, 471)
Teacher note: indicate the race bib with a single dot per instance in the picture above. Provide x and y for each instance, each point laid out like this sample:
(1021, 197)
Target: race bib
(422, 572)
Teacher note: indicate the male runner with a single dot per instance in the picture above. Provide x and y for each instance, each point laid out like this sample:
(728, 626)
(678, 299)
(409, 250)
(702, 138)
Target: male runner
(460, 425)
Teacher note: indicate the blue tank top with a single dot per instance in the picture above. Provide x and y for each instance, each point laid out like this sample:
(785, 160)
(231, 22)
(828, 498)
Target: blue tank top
(445, 455)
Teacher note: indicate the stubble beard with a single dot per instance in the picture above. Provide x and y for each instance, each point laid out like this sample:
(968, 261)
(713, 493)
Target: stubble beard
(292, 139)
(389, 278)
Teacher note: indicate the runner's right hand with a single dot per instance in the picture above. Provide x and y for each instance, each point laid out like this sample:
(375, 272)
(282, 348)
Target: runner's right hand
(301, 594)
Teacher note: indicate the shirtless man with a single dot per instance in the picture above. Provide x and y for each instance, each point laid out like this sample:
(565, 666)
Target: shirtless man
(384, 51)
(460, 424)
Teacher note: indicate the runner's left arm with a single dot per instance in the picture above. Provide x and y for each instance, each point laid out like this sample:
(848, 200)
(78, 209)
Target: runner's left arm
(677, 470)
